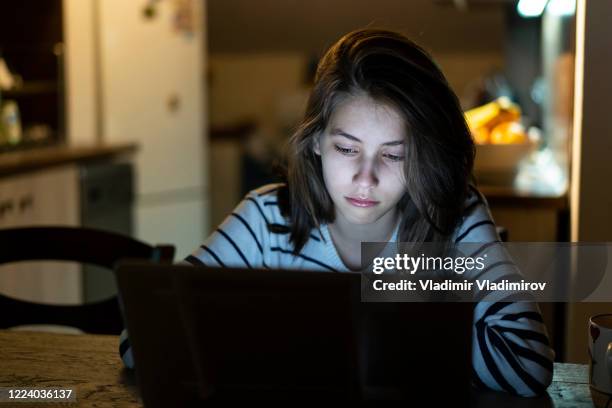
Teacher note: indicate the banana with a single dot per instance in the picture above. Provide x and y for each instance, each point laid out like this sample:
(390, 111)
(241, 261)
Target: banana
(482, 119)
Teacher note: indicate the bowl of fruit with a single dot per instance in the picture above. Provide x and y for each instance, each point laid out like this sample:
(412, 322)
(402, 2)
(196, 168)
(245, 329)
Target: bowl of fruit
(501, 141)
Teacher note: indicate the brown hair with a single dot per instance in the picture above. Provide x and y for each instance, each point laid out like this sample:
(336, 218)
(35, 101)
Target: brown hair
(439, 155)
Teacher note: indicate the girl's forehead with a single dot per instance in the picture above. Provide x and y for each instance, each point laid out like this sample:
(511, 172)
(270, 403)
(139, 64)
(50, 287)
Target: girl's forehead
(363, 102)
(364, 117)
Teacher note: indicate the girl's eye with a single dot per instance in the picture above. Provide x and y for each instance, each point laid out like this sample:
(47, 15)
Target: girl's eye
(344, 150)
(393, 157)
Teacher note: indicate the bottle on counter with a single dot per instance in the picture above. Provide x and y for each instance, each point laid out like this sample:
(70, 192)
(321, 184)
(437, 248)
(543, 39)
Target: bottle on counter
(10, 123)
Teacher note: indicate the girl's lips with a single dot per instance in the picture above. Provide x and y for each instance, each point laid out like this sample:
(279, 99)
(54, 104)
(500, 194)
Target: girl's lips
(361, 203)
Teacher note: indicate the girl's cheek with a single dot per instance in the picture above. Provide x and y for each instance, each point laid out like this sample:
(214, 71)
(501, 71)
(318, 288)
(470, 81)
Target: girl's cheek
(334, 165)
(393, 172)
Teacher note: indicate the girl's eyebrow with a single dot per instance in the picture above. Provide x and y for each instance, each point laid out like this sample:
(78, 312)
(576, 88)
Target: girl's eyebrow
(340, 132)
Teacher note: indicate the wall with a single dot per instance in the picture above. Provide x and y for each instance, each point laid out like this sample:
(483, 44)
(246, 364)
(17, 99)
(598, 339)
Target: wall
(251, 85)
(248, 85)
(247, 26)
(591, 197)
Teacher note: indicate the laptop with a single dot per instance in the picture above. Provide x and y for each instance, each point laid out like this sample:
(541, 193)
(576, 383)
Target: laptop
(206, 334)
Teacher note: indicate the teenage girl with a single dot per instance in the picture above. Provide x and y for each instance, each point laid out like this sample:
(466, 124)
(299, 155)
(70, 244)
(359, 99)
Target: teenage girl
(382, 154)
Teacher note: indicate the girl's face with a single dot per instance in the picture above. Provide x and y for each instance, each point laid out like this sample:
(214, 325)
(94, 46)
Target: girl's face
(362, 154)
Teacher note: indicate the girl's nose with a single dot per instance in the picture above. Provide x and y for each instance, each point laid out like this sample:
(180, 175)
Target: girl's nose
(366, 177)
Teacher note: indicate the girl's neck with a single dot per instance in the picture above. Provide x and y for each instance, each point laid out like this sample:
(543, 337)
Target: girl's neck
(379, 231)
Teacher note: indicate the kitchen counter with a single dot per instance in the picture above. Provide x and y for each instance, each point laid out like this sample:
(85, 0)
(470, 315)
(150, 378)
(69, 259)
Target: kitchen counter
(41, 158)
(526, 198)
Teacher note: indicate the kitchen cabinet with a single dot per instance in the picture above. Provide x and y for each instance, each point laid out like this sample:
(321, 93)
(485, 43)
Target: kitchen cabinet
(49, 197)
(31, 45)
(65, 186)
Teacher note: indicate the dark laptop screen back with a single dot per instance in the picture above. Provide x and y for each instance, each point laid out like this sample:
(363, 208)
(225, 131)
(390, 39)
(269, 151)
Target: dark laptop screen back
(258, 334)
(201, 333)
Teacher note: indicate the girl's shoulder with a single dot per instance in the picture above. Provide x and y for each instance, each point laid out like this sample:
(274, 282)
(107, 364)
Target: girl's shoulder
(273, 204)
(476, 224)
(270, 201)
(475, 200)
(270, 191)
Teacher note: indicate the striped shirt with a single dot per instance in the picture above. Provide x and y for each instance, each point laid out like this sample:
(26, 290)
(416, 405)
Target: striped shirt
(511, 350)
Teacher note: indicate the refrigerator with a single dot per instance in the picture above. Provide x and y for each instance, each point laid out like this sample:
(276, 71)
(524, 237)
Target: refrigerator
(150, 61)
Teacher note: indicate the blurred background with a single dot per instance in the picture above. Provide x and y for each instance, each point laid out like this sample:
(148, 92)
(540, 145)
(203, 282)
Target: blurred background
(154, 117)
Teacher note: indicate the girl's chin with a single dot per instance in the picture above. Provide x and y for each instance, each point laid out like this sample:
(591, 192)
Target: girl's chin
(362, 219)
(364, 216)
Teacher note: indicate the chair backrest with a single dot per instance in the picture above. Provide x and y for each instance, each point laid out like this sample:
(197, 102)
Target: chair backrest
(83, 245)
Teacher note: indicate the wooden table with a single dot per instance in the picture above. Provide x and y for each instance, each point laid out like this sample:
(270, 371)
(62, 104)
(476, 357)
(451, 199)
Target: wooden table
(569, 389)
(90, 365)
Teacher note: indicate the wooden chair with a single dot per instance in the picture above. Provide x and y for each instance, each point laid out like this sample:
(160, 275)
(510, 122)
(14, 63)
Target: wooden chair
(84, 245)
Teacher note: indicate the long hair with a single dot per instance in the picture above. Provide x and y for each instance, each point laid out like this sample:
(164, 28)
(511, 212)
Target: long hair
(439, 150)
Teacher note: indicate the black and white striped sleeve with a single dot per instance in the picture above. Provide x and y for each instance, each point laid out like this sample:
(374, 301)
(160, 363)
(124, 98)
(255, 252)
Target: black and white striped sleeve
(511, 350)
(239, 240)
(125, 349)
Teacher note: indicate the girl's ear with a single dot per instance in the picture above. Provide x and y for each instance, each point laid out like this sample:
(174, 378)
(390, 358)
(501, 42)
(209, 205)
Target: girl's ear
(316, 145)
